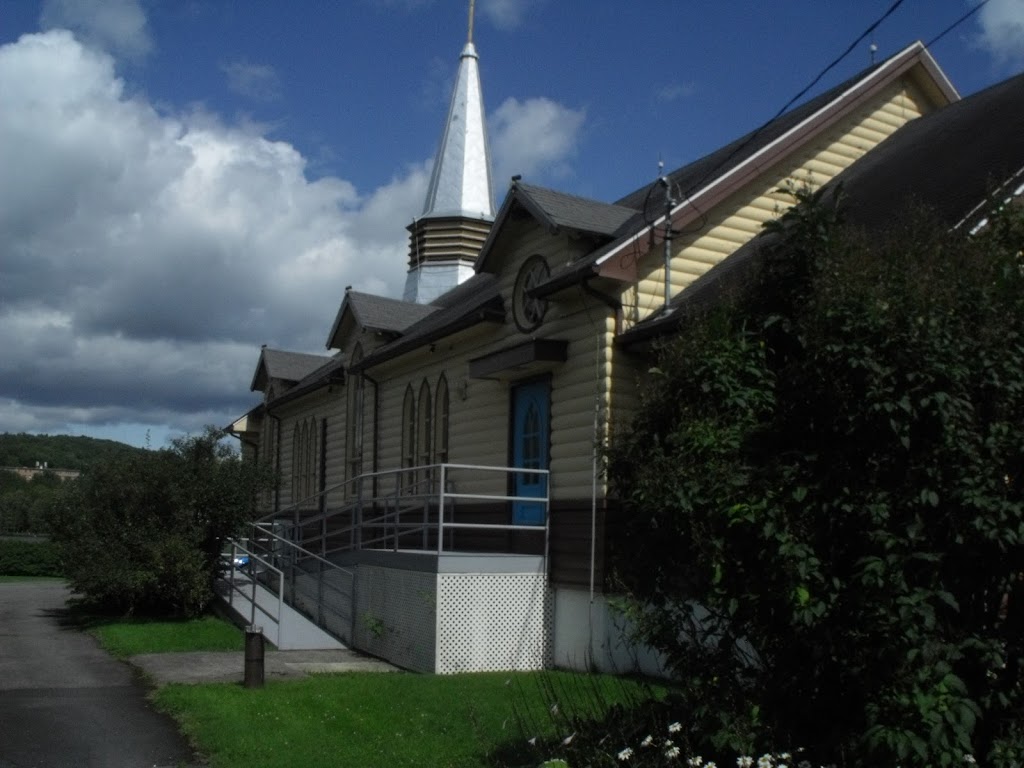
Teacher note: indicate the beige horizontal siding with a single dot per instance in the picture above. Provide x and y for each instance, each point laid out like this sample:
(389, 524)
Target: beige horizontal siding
(743, 215)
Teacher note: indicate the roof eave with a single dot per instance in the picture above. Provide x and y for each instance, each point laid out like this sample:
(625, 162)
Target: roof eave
(734, 178)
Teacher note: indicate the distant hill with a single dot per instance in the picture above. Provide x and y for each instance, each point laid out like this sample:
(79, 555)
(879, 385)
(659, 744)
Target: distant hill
(59, 451)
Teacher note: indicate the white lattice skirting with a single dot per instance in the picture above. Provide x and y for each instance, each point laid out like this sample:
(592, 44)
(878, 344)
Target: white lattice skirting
(453, 622)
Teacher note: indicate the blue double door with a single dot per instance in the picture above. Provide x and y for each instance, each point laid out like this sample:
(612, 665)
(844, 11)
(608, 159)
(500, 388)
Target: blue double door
(531, 449)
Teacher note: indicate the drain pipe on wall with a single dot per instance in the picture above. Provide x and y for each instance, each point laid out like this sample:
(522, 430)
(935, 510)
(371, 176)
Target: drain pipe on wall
(616, 306)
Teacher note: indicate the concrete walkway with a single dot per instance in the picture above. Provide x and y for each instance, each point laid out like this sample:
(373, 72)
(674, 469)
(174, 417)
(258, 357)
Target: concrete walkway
(64, 703)
(229, 667)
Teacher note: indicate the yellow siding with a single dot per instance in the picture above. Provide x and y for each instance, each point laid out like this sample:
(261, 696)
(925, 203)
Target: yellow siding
(327, 404)
(743, 215)
(479, 432)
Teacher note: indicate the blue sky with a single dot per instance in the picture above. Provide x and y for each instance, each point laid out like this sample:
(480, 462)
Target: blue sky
(188, 179)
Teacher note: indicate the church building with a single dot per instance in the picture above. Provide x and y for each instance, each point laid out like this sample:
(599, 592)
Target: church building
(441, 502)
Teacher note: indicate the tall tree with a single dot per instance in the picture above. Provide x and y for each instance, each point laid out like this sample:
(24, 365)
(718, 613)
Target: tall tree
(824, 496)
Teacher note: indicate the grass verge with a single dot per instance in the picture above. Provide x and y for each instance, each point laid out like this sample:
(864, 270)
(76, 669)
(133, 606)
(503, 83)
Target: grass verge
(377, 720)
(128, 637)
(6, 579)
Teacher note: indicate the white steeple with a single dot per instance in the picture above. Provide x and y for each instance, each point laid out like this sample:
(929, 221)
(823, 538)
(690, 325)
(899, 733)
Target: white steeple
(459, 207)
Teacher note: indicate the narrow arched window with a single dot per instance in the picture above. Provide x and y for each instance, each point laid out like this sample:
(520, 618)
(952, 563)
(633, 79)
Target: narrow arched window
(409, 436)
(311, 460)
(296, 464)
(441, 411)
(424, 436)
(354, 446)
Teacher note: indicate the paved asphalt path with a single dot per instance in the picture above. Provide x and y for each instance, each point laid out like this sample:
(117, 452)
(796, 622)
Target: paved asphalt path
(64, 703)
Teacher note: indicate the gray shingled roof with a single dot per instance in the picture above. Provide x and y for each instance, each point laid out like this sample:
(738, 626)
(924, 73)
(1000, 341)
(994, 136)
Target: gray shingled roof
(557, 210)
(284, 365)
(473, 301)
(949, 161)
(331, 371)
(377, 313)
(572, 212)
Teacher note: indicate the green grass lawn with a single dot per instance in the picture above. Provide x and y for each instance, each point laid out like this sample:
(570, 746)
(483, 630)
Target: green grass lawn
(4, 579)
(367, 720)
(125, 638)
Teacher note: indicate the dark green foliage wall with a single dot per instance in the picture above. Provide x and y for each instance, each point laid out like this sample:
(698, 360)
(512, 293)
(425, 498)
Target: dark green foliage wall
(25, 503)
(825, 498)
(28, 557)
(144, 533)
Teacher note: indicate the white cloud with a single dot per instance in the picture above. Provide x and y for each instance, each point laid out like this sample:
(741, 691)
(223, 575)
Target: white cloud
(505, 14)
(536, 138)
(258, 82)
(118, 26)
(666, 94)
(1002, 25)
(148, 255)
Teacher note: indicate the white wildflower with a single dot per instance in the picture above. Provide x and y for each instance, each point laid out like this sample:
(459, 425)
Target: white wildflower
(672, 752)
(647, 741)
(969, 759)
(674, 727)
(625, 754)
(744, 761)
(568, 739)
(694, 761)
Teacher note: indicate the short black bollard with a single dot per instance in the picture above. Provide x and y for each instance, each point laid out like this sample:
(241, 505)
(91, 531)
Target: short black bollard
(253, 657)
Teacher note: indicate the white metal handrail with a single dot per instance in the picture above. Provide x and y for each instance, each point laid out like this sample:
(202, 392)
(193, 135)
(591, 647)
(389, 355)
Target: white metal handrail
(233, 586)
(397, 500)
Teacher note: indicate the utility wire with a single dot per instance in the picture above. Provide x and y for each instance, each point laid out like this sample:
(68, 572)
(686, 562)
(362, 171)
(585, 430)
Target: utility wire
(843, 55)
(956, 23)
(892, 8)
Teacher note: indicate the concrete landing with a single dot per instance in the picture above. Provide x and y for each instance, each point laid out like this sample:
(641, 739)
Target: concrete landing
(229, 666)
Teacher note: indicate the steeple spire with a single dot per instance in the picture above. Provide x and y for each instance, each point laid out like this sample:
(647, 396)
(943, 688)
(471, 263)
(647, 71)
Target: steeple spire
(459, 207)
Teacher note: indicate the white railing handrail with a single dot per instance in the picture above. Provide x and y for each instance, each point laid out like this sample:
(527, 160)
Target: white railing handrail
(235, 546)
(305, 552)
(358, 480)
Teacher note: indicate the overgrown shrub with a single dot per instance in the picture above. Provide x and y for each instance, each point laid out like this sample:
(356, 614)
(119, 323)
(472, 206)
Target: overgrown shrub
(824, 494)
(29, 557)
(145, 532)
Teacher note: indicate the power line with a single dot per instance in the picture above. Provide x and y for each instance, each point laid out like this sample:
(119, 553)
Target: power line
(892, 8)
(956, 23)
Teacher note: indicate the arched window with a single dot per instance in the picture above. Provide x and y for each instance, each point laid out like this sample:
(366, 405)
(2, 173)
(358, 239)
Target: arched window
(304, 466)
(296, 464)
(424, 436)
(311, 460)
(441, 411)
(409, 436)
(354, 444)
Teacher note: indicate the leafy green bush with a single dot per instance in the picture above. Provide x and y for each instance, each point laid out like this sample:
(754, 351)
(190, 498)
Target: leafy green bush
(28, 557)
(145, 532)
(825, 487)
